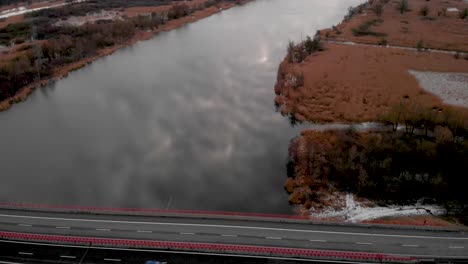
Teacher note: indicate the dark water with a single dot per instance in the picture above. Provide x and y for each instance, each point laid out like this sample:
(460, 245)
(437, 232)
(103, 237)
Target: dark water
(185, 120)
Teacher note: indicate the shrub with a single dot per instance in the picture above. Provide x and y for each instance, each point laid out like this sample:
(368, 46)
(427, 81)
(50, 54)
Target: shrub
(18, 41)
(210, 3)
(299, 80)
(383, 42)
(178, 10)
(403, 6)
(365, 28)
(291, 47)
(378, 9)
(25, 47)
(424, 11)
(442, 12)
(313, 45)
(356, 10)
(14, 31)
(420, 45)
(293, 120)
(463, 14)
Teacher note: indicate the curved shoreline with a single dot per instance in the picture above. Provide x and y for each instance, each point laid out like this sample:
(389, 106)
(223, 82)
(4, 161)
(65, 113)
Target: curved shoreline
(63, 71)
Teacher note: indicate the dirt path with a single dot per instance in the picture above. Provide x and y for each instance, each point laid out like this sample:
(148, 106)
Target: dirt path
(24, 11)
(351, 43)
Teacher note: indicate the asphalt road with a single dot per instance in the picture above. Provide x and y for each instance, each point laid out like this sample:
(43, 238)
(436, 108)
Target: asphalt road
(35, 253)
(406, 242)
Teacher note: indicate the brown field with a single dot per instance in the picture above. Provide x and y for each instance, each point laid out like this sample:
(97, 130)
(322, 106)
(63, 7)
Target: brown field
(432, 221)
(358, 83)
(435, 30)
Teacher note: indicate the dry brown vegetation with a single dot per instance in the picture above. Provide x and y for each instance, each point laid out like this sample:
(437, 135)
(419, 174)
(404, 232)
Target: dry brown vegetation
(355, 83)
(420, 154)
(438, 29)
(429, 220)
(358, 83)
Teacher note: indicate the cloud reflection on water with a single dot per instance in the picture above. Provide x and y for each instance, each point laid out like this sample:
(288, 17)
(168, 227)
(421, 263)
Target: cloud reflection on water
(187, 116)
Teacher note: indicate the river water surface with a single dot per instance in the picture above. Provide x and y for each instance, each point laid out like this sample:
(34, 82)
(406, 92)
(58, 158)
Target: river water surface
(185, 120)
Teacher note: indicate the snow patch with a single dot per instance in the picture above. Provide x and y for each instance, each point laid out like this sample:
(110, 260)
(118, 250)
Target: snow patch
(452, 88)
(90, 18)
(355, 211)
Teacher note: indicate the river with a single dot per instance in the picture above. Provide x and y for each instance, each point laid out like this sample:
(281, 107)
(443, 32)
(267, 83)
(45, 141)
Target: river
(185, 120)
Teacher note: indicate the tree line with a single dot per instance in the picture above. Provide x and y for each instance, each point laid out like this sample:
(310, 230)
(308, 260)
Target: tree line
(297, 53)
(425, 157)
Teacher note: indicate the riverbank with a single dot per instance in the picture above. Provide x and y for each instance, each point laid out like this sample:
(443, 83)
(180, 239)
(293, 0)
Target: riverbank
(140, 35)
(376, 66)
(358, 83)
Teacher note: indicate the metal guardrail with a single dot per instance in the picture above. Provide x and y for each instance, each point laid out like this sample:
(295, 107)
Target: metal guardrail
(207, 247)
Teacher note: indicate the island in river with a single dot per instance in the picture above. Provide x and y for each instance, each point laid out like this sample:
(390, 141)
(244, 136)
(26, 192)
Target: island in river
(43, 46)
(403, 64)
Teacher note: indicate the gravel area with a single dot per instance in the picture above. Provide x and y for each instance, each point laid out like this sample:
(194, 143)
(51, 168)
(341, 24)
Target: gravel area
(452, 88)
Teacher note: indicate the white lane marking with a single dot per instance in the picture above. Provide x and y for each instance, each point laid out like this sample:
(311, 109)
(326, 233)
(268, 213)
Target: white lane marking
(25, 253)
(363, 243)
(144, 231)
(275, 238)
(28, 225)
(186, 233)
(456, 247)
(230, 226)
(115, 260)
(102, 229)
(410, 245)
(229, 235)
(318, 240)
(20, 12)
(62, 227)
(8, 262)
(68, 257)
(215, 254)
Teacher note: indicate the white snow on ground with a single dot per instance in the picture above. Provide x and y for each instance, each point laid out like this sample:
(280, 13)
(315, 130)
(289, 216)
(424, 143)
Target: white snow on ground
(452, 88)
(23, 10)
(90, 18)
(355, 212)
(341, 126)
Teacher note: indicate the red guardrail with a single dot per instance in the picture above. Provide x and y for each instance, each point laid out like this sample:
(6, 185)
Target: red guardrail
(221, 248)
(143, 210)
